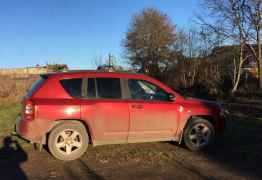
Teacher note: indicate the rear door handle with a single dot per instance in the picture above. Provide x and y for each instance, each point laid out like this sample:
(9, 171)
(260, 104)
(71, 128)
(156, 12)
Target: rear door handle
(137, 106)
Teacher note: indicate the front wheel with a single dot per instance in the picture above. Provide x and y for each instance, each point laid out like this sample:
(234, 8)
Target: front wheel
(198, 134)
(68, 141)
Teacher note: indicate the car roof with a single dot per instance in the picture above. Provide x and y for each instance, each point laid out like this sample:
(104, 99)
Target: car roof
(81, 73)
(94, 74)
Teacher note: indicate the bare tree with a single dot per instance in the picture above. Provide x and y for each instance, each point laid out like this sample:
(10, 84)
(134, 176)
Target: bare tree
(253, 12)
(195, 45)
(229, 21)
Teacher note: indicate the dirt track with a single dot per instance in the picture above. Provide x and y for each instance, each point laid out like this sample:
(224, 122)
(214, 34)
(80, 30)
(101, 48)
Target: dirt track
(133, 161)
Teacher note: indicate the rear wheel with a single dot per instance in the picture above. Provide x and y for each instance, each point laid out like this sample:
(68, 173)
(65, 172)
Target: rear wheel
(68, 141)
(198, 134)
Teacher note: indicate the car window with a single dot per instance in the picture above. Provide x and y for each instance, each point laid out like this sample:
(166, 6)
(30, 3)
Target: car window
(91, 88)
(144, 90)
(73, 86)
(108, 88)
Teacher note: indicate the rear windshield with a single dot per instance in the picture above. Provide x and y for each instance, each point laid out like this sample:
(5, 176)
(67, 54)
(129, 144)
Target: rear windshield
(35, 86)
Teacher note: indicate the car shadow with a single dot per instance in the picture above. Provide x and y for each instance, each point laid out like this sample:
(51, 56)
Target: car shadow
(239, 148)
(11, 157)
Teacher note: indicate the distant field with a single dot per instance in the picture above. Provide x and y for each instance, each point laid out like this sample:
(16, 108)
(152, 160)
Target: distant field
(13, 89)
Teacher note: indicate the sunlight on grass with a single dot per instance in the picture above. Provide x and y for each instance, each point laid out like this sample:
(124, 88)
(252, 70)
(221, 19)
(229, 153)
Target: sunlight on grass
(8, 115)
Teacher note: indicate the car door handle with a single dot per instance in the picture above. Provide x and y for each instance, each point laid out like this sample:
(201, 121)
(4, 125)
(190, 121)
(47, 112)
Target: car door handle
(137, 106)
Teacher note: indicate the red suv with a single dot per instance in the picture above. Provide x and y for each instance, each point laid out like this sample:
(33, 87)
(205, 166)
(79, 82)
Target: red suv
(70, 110)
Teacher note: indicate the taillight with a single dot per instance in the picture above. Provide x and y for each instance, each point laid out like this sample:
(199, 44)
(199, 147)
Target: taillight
(29, 110)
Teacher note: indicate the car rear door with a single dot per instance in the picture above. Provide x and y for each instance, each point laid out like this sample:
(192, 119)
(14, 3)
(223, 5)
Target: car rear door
(105, 111)
(153, 116)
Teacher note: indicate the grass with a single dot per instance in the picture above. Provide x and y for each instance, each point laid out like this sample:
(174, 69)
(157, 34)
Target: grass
(8, 115)
(12, 90)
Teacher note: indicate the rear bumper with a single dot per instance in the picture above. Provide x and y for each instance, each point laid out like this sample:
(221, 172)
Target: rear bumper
(17, 129)
(26, 131)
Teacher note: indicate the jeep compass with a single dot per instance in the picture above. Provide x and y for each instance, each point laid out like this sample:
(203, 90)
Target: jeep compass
(69, 111)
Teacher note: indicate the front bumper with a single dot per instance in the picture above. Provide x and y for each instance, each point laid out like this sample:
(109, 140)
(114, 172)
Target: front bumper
(222, 122)
(224, 118)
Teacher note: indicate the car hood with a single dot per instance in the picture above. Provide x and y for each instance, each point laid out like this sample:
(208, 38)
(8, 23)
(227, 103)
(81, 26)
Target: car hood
(194, 102)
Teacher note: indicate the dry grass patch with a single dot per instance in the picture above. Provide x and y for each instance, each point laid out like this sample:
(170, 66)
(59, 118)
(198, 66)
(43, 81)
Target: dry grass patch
(13, 89)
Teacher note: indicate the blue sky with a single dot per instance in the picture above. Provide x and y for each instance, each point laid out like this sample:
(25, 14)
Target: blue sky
(74, 32)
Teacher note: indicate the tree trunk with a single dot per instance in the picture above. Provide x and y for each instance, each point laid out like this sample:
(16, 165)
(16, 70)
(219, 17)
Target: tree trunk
(241, 61)
(259, 58)
(238, 76)
(260, 73)
(236, 84)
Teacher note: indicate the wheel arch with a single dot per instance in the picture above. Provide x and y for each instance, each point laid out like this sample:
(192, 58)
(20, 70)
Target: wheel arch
(209, 118)
(60, 121)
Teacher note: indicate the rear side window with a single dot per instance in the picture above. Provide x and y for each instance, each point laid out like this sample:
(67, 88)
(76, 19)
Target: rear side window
(73, 87)
(108, 88)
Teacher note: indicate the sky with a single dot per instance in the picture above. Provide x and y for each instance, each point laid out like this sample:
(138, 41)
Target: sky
(75, 32)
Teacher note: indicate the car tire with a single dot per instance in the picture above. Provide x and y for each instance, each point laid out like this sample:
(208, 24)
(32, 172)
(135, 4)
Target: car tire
(198, 134)
(68, 141)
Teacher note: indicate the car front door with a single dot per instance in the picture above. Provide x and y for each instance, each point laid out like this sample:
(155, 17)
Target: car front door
(106, 113)
(153, 116)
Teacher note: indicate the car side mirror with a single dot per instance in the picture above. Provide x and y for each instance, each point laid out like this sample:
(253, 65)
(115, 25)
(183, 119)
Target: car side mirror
(171, 97)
